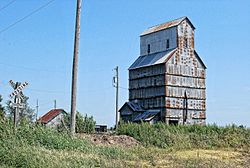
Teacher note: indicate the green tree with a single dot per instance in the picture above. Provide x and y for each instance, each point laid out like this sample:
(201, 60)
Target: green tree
(26, 113)
(2, 114)
(83, 124)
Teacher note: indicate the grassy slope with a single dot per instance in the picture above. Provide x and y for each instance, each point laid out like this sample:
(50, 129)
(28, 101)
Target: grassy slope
(35, 146)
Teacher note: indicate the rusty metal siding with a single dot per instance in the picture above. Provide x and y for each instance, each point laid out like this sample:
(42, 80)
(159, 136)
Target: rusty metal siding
(179, 92)
(185, 81)
(158, 41)
(178, 103)
(185, 74)
(174, 82)
(185, 70)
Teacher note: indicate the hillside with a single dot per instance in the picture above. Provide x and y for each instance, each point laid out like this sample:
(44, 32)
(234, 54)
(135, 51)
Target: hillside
(36, 146)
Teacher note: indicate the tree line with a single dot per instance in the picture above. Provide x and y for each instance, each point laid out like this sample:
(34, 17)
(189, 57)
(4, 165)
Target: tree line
(84, 124)
(27, 113)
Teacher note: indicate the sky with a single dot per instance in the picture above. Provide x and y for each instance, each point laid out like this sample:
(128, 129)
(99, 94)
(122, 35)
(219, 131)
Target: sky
(39, 49)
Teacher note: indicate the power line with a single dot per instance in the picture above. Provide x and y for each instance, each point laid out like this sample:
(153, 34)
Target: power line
(30, 69)
(11, 2)
(25, 17)
(67, 92)
(123, 88)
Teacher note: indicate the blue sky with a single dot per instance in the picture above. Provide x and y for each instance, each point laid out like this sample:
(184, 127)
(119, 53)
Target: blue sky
(39, 50)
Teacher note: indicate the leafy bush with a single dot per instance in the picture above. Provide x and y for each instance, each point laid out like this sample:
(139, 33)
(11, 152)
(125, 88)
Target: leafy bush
(193, 136)
(83, 124)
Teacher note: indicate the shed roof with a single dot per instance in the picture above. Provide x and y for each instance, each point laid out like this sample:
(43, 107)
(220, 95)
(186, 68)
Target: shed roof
(152, 59)
(133, 106)
(147, 115)
(50, 115)
(166, 25)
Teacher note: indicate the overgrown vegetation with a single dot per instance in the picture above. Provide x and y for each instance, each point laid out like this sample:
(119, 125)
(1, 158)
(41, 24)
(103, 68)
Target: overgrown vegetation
(187, 137)
(84, 124)
(37, 146)
(26, 113)
(2, 113)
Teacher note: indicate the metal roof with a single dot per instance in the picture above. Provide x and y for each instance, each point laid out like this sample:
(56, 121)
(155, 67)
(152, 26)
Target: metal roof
(135, 106)
(50, 115)
(152, 59)
(166, 25)
(147, 115)
(199, 58)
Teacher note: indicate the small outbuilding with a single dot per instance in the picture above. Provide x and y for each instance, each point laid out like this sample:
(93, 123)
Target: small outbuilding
(53, 118)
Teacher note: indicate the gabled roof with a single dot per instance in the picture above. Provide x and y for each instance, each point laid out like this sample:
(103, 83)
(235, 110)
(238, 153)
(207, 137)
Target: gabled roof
(166, 25)
(152, 59)
(147, 115)
(50, 115)
(199, 59)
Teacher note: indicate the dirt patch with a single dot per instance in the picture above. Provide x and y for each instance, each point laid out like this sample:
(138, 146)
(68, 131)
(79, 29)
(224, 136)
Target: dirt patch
(110, 139)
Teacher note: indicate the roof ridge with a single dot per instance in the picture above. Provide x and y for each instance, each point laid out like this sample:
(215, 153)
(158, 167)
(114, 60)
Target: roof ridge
(166, 25)
(180, 18)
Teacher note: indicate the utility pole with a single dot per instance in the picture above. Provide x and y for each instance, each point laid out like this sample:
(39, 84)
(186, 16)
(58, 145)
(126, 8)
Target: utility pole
(75, 68)
(17, 101)
(54, 104)
(37, 106)
(116, 85)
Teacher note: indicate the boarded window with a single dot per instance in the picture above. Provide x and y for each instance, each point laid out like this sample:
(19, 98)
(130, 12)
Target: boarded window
(148, 48)
(167, 44)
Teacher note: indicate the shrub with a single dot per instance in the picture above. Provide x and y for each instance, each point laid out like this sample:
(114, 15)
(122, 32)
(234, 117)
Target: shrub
(83, 124)
(193, 136)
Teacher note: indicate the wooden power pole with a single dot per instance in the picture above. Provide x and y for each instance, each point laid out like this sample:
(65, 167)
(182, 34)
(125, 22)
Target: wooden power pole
(37, 106)
(116, 85)
(75, 68)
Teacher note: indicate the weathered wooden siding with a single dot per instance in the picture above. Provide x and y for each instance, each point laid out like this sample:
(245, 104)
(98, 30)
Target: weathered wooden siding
(147, 86)
(149, 71)
(156, 102)
(185, 73)
(152, 81)
(169, 76)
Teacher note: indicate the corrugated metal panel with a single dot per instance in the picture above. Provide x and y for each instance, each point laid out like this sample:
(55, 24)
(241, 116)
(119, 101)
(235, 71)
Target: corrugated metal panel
(189, 82)
(148, 71)
(147, 82)
(151, 59)
(179, 103)
(193, 116)
(147, 92)
(163, 26)
(184, 70)
(169, 86)
(179, 92)
(147, 115)
(158, 41)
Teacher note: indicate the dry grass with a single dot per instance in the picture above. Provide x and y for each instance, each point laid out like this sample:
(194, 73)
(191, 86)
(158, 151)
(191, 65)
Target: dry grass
(35, 146)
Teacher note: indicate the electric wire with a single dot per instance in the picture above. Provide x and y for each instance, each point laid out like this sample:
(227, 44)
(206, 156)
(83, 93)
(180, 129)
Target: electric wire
(4, 7)
(30, 69)
(26, 16)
